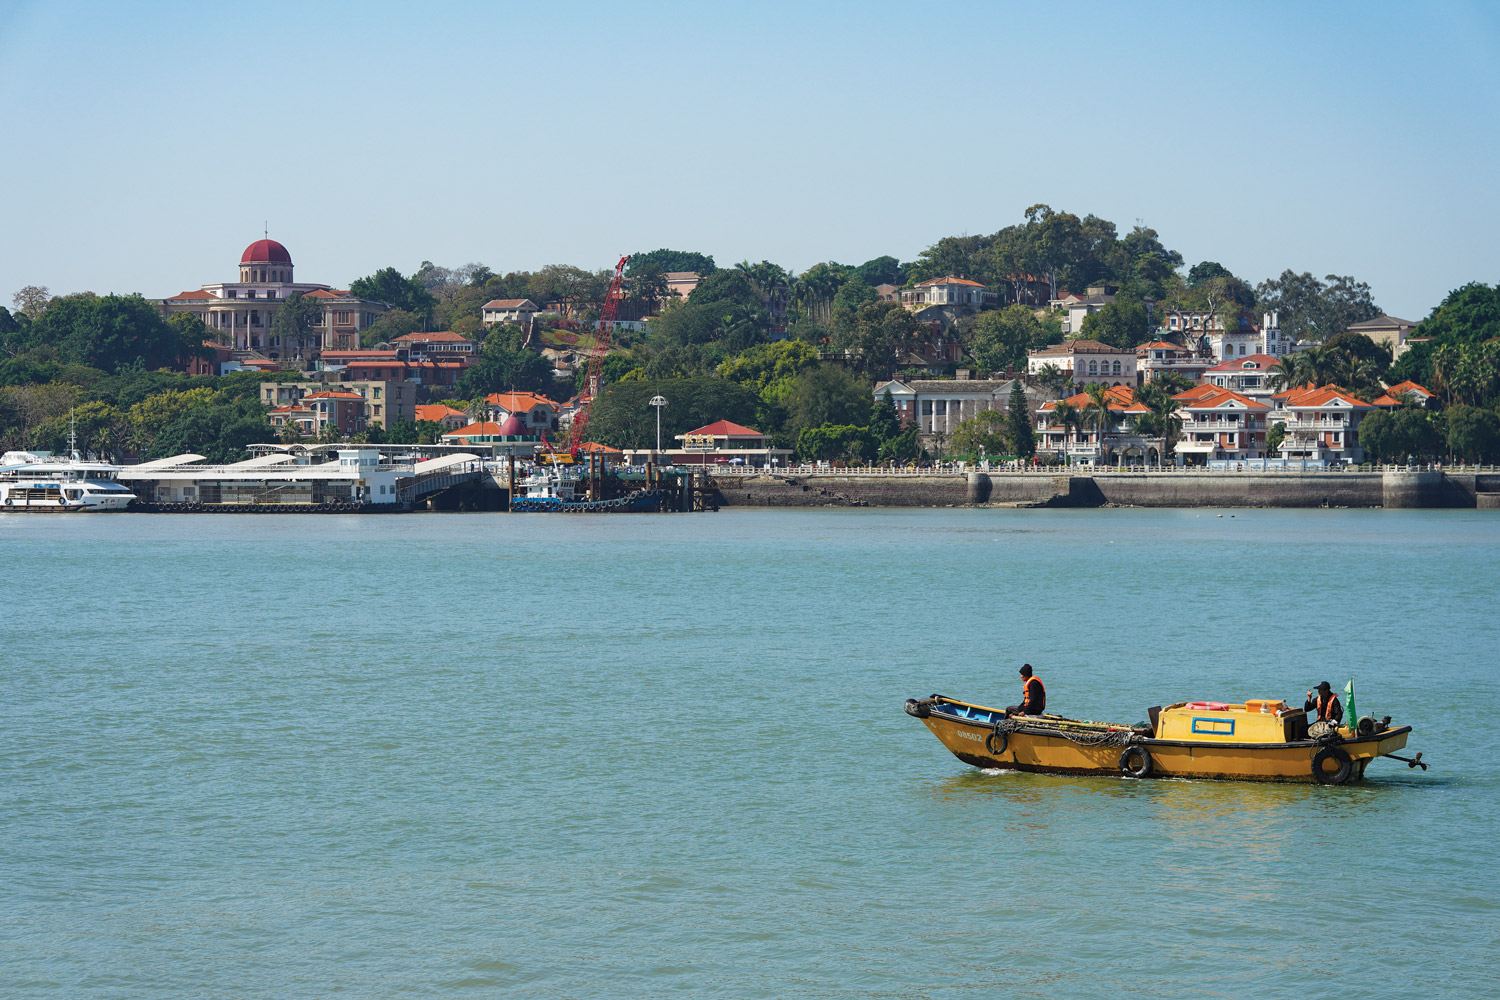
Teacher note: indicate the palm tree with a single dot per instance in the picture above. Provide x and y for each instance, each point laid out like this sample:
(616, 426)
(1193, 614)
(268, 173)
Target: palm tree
(1053, 378)
(1066, 416)
(1160, 420)
(1098, 407)
(1285, 373)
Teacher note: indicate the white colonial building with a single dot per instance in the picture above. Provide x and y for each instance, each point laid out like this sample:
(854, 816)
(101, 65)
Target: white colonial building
(1087, 362)
(938, 406)
(239, 312)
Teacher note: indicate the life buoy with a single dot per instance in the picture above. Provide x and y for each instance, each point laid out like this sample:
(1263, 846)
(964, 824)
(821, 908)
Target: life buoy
(1335, 777)
(9, 502)
(996, 741)
(1136, 762)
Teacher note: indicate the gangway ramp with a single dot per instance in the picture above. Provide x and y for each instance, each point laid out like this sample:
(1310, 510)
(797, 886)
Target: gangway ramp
(434, 474)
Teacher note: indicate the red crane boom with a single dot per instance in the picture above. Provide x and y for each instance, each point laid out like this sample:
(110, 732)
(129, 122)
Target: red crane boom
(591, 384)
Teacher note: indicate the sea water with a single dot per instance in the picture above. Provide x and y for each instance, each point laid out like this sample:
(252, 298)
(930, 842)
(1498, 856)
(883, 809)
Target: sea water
(643, 755)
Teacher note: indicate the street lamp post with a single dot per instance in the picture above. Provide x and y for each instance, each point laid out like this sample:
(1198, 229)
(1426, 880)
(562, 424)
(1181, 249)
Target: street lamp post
(658, 402)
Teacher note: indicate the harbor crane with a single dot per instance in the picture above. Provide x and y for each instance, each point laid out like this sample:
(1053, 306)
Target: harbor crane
(595, 371)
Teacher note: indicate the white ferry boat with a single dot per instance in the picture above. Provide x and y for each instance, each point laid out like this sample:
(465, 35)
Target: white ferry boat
(40, 481)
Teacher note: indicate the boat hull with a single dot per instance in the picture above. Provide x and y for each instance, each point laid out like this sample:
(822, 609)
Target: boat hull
(976, 742)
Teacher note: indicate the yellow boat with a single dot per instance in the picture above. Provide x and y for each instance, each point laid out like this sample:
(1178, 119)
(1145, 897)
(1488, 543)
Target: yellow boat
(1260, 740)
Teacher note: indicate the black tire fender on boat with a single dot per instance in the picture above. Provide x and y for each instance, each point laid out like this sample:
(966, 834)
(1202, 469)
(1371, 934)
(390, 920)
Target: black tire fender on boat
(1345, 769)
(1136, 770)
(917, 709)
(996, 742)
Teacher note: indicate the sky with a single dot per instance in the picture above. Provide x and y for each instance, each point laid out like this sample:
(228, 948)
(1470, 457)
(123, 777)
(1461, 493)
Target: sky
(144, 145)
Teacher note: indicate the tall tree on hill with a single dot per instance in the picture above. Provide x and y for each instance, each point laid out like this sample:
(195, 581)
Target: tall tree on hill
(1098, 411)
(1018, 423)
(670, 260)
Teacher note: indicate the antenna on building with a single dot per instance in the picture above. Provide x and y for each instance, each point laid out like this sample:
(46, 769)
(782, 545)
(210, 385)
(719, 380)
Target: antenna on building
(267, 230)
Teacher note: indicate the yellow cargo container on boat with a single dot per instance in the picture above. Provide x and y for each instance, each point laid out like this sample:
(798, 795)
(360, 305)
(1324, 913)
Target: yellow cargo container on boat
(1258, 740)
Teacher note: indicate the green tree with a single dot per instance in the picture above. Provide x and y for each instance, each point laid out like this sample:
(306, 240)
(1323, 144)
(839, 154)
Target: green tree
(662, 261)
(109, 332)
(295, 324)
(877, 335)
(853, 293)
(219, 432)
(389, 286)
(834, 441)
(501, 368)
(881, 271)
(622, 416)
(1066, 416)
(828, 394)
(1316, 310)
(1019, 427)
(1098, 412)
(1473, 434)
(1000, 339)
(1274, 436)
(983, 433)
(1161, 418)
(1122, 323)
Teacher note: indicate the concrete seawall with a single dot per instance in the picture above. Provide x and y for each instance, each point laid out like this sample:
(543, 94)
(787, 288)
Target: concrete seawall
(1160, 489)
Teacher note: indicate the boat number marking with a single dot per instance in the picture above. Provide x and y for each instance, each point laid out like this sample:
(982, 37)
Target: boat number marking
(970, 736)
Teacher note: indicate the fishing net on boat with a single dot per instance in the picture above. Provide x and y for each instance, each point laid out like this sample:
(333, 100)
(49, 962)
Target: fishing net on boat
(1084, 734)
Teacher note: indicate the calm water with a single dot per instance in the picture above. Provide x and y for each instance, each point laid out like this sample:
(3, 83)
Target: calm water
(535, 756)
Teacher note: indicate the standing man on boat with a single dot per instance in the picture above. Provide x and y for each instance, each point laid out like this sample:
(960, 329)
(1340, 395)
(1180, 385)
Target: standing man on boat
(1033, 695)
(1326, 704)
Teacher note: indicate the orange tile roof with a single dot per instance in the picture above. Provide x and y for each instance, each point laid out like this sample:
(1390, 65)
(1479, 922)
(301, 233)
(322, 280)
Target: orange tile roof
(597, 448)
(484, 428)
(950, 280)
(518, 402)
(1196, 392)
(505, 303)
(726, 428)
(1262, 362)
(1220, 396)
(1162, 344)
(1120, 396)
(333, 394)
(1315, 397)
(193, 295)
(1386, 400)
(439, 337)
(437, 412)
(1402, 388)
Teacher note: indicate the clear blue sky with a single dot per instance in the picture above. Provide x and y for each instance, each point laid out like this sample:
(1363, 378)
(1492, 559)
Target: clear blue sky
(145, 143)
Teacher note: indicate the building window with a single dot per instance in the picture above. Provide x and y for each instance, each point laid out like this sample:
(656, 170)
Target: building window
(1093, 368)
(1117, 367)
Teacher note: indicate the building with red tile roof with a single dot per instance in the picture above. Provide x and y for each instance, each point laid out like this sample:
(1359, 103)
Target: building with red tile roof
(536, 411)
(1087, 362)
(241, 312)
(949, 291)
(441, 413)
(1250, 375)
(1321, 423)
(1221, 425)
(721, 443)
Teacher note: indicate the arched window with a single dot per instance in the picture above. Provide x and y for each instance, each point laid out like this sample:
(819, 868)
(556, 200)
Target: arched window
(1093, 368)
(1117, 368)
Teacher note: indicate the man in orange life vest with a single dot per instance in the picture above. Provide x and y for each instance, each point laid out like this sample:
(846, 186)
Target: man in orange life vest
(1033, 695)
(1326, 704)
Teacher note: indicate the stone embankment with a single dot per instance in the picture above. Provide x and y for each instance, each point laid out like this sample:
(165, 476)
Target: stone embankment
(1132, 489)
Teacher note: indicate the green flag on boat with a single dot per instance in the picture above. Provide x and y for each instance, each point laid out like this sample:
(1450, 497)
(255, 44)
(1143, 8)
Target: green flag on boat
(1350, 716)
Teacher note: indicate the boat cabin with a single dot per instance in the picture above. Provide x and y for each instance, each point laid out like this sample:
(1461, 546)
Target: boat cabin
(1258, 720)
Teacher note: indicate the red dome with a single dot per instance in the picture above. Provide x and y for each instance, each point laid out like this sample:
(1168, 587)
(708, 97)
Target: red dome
(265, 252)
(511, 426)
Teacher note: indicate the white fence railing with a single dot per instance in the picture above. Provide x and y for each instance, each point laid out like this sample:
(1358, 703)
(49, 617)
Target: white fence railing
(1293, 466)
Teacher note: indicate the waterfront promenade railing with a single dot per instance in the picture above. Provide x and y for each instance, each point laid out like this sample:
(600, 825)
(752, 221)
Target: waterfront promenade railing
(1241, 467)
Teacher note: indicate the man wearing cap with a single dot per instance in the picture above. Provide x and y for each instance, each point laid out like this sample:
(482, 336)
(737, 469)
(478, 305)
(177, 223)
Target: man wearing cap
(1326, 704)
(1033, 695)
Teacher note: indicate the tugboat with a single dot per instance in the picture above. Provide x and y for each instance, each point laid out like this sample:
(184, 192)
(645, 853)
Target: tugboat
(1258, 740)
(548, 489)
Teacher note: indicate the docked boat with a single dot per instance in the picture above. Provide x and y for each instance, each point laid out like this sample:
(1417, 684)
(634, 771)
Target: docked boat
(550, 490)
(1259, 740)
(39, 481)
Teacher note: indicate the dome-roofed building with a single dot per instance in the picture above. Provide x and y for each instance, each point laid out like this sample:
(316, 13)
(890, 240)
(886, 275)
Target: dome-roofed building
(240, 313)
(266, 260)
